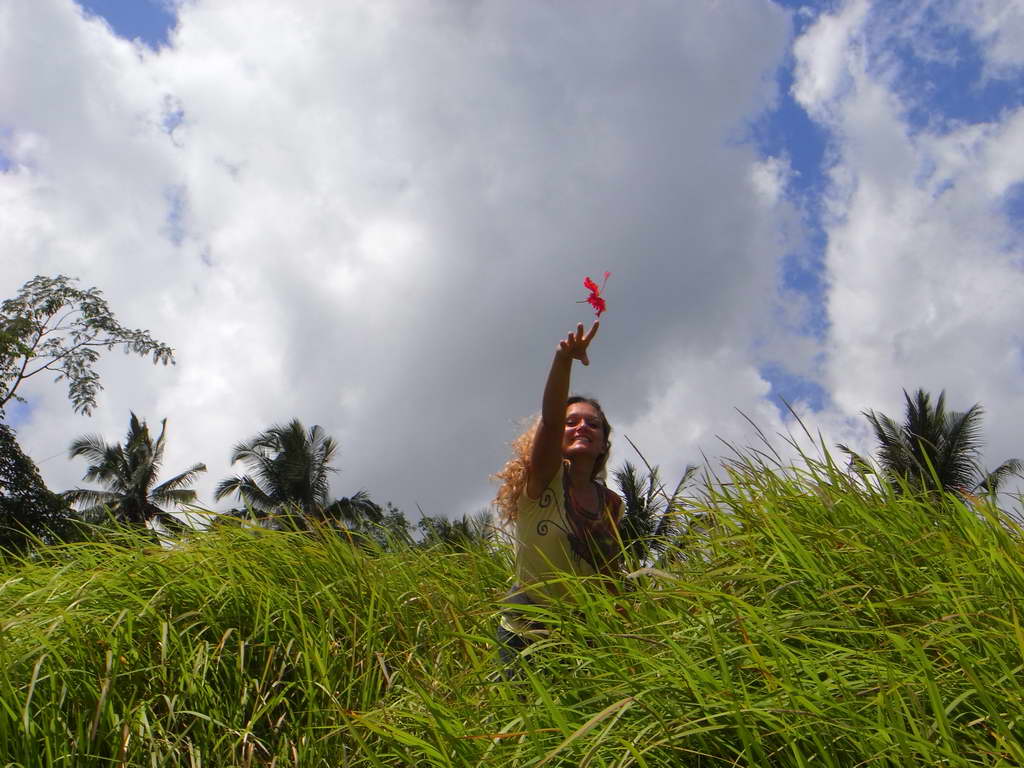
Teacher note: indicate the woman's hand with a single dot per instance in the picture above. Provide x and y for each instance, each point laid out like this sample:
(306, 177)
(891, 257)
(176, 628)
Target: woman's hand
(575, 344)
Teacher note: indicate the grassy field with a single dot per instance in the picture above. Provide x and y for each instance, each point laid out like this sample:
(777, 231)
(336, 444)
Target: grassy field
(816, 623)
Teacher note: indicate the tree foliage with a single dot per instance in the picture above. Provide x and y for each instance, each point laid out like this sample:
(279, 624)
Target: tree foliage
(650, 519)
(384, 529)
(393, 530)
(933, 449)
(289, 479)
(29, 511)
(358, 511)
(129, 473)
(52, 326)
(457, 534)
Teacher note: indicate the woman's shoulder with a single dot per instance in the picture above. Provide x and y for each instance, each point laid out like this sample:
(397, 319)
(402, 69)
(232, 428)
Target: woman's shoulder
(554, 484)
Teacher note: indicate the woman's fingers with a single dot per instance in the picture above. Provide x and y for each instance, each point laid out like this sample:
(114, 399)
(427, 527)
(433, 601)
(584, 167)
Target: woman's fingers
(583, 341)
(576, 343)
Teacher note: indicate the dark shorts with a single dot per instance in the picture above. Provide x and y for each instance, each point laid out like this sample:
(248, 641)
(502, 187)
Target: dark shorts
(511, 644)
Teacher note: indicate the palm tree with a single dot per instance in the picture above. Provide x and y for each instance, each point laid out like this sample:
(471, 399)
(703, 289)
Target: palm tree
(933, 450)
(356, 511)
(289, 478)
(649, 522)
(129, 473)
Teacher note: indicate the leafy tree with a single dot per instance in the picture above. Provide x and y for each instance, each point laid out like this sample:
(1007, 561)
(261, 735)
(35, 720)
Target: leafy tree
(382, 529)
(358, 517)
(129, 473)
(289, 479)
(933, 449)
(357, 512)
(52, 326)
(28, 509)
(649, 521)
(393, 529)
(457, 534)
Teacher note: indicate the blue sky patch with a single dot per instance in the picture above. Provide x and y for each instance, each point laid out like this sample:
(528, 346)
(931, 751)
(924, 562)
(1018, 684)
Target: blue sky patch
(789, 387)
(940, 77)
(148, 20)
(804, 272)
(1014, 206)
(788, 131)
(173, 114)
(177, 209)
(803, 14)
(5, 161)
(16, 413)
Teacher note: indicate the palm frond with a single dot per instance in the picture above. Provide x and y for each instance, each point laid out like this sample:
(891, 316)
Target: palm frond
(857, 463)
(688, 473)
(92, 447)
(170, 523)
(88, 497)
(187, 477)
(248, 491)
(991, 481)
(357, 510)
(961, 449)
(98, 514)
(895, 455)
(158, 448)
(109, 470)
(176, 497)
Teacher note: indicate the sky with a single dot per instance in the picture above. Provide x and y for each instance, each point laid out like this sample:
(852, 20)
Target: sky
(377, 216)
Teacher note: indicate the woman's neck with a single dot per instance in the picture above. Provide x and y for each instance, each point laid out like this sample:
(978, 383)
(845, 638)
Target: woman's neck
(581, 474)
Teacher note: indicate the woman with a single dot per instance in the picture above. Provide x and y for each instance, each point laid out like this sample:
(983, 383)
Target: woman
(566, 520)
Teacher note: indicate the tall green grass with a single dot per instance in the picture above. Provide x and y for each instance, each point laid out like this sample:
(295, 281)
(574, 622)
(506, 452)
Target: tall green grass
(816, 622)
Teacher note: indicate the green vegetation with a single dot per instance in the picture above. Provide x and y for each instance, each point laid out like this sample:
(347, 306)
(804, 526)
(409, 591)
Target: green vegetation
(129, 473)
(819, 621)
(53, 327)
(797, 617)
(288, 484)
(933, 449)
(650, 519)
(29, 511)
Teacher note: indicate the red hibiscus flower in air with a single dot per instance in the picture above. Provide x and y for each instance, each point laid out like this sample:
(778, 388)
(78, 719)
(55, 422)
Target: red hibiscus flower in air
(594, 299)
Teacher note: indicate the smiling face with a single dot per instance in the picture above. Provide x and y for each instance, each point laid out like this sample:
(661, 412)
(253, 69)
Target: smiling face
(584, 436)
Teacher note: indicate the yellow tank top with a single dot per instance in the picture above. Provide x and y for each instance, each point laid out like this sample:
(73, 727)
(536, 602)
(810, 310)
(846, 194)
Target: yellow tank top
(554, 538)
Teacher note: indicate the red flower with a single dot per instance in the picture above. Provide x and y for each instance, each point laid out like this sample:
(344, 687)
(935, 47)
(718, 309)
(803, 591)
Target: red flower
(594, 299)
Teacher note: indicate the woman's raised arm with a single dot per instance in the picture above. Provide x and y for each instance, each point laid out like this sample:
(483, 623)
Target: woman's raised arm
(546, 453)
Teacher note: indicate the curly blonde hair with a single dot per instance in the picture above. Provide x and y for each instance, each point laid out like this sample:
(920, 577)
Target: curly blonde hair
(512, 476)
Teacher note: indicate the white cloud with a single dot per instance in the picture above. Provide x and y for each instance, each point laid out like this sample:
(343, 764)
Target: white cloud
(386, 213)
(924, 269)
(825, 55)
(696, 409)
(998, 26)
(769, 178)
